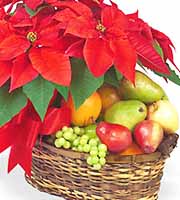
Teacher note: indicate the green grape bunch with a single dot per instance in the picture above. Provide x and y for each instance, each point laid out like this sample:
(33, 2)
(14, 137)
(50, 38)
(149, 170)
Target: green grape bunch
(83, 140)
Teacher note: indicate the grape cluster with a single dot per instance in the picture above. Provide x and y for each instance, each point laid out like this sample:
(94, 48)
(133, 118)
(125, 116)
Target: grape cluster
(83, 140)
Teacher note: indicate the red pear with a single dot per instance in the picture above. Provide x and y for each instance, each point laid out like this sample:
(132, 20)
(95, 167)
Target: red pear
(148, 135)
(116, 137)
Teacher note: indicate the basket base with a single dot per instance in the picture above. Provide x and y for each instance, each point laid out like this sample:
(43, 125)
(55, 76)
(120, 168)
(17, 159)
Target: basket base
(68, 194)
(65, 173)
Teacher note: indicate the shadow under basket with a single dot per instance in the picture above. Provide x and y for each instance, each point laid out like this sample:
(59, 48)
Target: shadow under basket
(65, 173)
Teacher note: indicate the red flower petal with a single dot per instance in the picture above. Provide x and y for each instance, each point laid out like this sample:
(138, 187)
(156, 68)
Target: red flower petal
(124, 58)
(33, 4)
(161, 36)
(5, 71)
(5, 2)
(48, 36)
(20, 18)
(167, 51)
(166, 45)
(79, 8)
(76, 49)
(98, 56)
(145, 50)
(137, 24)
(43, 18)
(4, 30)
(51, 1)
(95, 6)
(52, 65)
(92, 3)
(2, 13)
(22, 72)
(112, 16)
(12, 47)
(55, 119)
(133, 16)
(63, 43)
(82, 27)
(65, 15)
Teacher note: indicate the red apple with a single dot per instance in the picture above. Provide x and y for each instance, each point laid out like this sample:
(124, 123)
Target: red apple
(148, 135)
(116, 137)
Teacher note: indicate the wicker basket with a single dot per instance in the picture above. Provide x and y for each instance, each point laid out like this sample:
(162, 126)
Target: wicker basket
(65, 173)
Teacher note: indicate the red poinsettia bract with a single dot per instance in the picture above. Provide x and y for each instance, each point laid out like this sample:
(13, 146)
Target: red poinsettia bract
(112, 39)
(31, 45)
(26, 126)
(6, 2)
(95, 5)
(106, 41)
(33, 4)
(166, 45)
(142, 39)
(2, 13)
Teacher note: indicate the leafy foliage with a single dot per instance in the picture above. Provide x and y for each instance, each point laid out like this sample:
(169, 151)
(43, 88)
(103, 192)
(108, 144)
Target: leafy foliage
(173, 77)
(29, 11)
(39, 91)
(10, 103)
(83, 82)
(62, 90)
(112, 77)
(118, 75)
(158, 49)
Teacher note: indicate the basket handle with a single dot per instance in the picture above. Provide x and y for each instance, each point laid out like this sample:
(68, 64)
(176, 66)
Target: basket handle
(168, 144)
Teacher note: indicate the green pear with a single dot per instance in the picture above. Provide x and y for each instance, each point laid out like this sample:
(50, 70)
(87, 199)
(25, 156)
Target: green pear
(126, 113)
(145, 89)
(165, 114)
(165, 97)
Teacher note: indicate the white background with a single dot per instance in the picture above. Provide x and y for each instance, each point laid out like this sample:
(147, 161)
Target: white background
(163, 15)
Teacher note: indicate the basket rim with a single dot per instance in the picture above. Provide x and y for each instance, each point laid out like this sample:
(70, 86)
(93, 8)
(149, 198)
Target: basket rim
(163, 152)
(111, 158)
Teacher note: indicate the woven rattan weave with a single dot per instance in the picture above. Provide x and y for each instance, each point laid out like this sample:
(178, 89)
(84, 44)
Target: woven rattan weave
(65, 173)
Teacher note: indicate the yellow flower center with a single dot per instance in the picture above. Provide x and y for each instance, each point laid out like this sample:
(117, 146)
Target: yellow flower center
(32, 36)
(100, 27)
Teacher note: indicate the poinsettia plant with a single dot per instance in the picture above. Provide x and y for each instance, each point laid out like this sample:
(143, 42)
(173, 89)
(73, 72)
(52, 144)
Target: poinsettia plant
(50, 48)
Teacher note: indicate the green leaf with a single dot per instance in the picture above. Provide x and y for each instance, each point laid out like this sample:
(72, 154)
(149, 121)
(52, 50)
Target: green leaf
(62, 90)
(10, 103)
(172, 77)
(39, 91)
(158, 49)
(29, 11)
(57, 101)
(111, 77)
(140, 63)
(83, 82)
(34, 12)
(118, 75)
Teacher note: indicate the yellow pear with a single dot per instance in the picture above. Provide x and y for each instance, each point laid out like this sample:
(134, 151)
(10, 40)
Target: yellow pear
(165, 114)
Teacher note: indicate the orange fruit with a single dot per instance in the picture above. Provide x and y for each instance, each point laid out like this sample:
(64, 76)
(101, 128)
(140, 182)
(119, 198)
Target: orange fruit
(109, 96)
(88, 112)
(132, 150)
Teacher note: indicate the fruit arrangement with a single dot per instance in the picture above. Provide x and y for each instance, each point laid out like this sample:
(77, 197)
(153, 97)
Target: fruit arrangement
(126, 120)
(69, 83)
